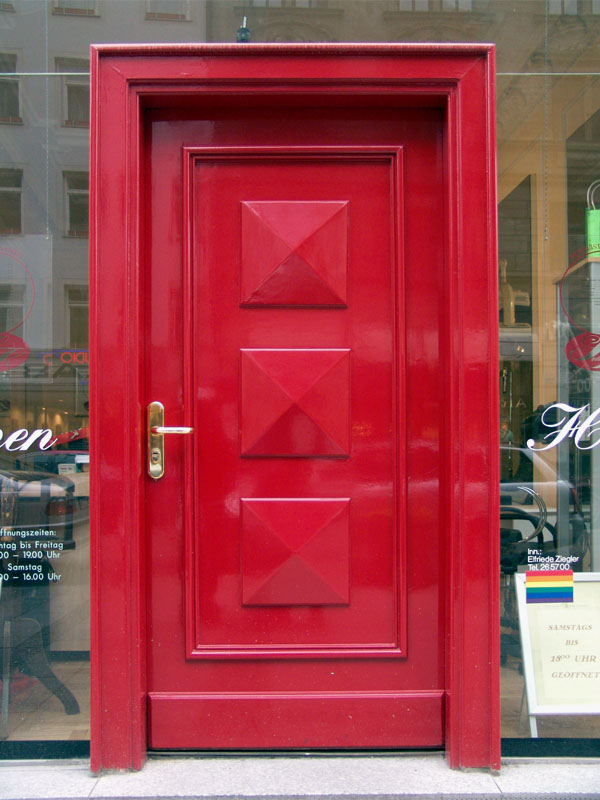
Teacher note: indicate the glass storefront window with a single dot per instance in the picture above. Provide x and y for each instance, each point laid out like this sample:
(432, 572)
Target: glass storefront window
(44, 408)
(549, 536)
(548, 113)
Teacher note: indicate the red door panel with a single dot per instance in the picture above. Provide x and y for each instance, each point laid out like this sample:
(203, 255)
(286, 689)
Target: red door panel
(298, 720)
(295, 402)
(294, 253)
(295, 552)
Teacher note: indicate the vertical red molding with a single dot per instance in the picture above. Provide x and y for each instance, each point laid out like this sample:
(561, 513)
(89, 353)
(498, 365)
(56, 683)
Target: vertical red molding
(494, 731)
(118, 736)
(472, 657)
(124, 78)
(96, 672)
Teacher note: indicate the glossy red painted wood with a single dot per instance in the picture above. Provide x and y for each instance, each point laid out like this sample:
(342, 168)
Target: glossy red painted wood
(295, 552)
(294, 253)
(271, 720)
(449, 347)
(303, 419)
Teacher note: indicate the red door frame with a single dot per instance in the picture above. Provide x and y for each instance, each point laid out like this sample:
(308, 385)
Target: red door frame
(128, 79)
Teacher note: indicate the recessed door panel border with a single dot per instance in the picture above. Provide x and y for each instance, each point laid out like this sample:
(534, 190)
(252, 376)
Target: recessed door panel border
(127, 81)
(292, 711)
(392, 157)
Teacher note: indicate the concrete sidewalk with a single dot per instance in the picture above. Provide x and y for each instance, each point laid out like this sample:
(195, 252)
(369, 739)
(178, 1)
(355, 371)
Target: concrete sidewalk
(296, 778)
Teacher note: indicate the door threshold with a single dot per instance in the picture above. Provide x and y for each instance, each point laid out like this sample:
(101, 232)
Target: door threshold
(281, 753)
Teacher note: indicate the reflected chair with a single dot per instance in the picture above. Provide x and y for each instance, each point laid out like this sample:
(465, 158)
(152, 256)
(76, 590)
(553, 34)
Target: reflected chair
(21, 646)
(21, 642)
(514, 551)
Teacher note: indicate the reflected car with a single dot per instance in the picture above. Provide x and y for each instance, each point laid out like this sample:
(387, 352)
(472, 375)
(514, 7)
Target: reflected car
(41, 500)
(61, 462)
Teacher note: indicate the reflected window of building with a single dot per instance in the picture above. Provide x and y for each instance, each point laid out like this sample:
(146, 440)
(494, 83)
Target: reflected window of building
(411, 5)
(85, 8)
(12, 299)
(563, 6)
(433, 5)
(10, 201)
(77, 203)
(289, 3)
(168, 10)
(75, 99)
(9, 90)
(457, 5)
(77, 305)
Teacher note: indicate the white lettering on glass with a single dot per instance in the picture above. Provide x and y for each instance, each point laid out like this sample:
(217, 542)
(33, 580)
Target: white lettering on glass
(577, 423)
(12, 442)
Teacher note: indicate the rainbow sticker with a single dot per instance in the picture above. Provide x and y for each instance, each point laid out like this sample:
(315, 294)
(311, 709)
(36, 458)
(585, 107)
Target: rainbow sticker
(550, 586)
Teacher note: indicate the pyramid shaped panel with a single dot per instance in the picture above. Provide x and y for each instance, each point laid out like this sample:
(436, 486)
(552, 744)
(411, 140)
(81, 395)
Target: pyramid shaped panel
(295, 402)
(294, 253)
(295, 551)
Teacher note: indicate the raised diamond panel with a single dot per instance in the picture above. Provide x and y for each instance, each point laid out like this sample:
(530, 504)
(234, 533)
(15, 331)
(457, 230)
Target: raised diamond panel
(295, 551)
(295, 402)
(294, 253)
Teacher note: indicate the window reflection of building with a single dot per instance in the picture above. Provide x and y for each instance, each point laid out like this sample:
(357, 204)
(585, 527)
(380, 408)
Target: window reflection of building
(77, 203)
(10, 201)
(77, 316)
(563, 6)
(75, 99)
(9, 90)
(168, 10)
(433, 5)
(75, 7)
(12, 299)
(287, 3)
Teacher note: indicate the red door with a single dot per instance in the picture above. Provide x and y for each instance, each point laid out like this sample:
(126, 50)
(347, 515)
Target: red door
(296, 555)
(293, 249)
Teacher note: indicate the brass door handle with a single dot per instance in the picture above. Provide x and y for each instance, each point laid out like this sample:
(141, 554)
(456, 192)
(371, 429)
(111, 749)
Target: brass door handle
(156, 433)
(162, 429)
